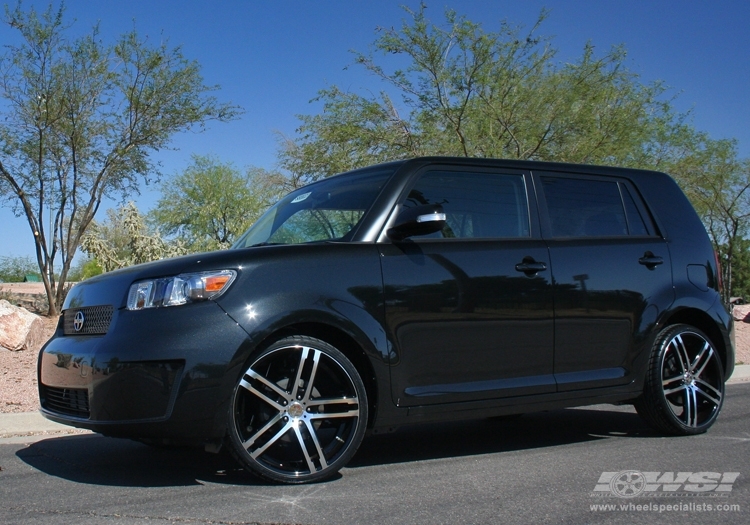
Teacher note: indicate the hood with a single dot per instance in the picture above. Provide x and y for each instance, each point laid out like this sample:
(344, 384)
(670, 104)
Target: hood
(111, 288)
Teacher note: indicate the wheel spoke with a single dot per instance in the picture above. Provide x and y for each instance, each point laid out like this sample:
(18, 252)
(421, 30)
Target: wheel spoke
(681, 351)
(257, 452)
(302, 445)
(691, 408)
(255, 375)
(334, 401)
(699, 372)
(311, 380)
(250, 442)
(671, 380)
(314, 437)
(334, 415)
(261, 395)
(301, 369)
(711, 393)
(346, 401)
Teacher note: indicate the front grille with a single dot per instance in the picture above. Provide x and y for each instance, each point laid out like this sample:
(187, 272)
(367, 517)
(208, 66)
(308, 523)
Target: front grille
(93, 320)
(68, 401)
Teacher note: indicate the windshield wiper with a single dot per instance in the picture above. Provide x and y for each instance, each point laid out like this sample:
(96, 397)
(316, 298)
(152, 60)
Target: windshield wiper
(265, 244)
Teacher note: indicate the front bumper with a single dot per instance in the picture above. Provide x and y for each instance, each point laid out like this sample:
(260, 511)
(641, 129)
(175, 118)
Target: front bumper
(164, 373)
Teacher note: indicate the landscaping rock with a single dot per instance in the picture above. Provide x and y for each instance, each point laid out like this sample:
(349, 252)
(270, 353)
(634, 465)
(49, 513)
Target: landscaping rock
(19, 328)
(741, 312)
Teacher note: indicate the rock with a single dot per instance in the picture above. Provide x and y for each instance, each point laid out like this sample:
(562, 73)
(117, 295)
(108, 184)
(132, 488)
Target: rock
(741, 312)
(19, 328)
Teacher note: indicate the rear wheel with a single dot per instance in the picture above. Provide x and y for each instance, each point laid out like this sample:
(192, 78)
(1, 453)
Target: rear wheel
(684, 388)
(298, 413)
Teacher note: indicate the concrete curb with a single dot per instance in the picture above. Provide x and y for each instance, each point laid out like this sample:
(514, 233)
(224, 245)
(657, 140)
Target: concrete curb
(30, 427)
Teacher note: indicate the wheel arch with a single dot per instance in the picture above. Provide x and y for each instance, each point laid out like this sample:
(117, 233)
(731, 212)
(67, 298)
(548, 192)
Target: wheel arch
(346, 344)
(704, 322)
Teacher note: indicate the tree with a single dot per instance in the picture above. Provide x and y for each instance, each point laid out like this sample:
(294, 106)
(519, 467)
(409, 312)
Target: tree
(125, 240)
(717, 182)
(468, 92)
(211, 203)
(14, 269)
(81, 119)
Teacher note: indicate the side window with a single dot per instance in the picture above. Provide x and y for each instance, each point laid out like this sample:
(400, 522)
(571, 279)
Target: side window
(585, 207)
(477, 205)
(636, 221)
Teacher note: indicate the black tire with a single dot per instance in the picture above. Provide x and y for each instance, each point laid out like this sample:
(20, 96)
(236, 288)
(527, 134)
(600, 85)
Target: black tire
(298, 413)
(684, 387)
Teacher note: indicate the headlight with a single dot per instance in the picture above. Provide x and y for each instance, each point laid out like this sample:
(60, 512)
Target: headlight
(181, 289)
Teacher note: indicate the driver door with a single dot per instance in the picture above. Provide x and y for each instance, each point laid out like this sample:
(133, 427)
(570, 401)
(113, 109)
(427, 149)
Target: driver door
(470, 307)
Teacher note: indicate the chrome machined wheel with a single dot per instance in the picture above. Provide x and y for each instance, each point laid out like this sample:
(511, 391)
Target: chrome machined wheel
(684, 388)
(299, 412)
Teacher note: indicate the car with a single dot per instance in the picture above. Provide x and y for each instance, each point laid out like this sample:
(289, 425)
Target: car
(419, 290)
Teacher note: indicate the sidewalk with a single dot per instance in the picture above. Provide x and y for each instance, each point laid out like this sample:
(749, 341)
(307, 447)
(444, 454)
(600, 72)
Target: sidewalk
(30, 427)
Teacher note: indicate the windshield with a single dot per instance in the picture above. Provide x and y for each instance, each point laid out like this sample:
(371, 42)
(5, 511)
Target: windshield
(326, 210)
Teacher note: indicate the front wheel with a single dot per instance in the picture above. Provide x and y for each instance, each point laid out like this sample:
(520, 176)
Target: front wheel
(298, 413)
(684, 387)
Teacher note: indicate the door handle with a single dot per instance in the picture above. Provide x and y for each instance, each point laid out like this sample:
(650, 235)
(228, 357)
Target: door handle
(530, 267)
(650, 261)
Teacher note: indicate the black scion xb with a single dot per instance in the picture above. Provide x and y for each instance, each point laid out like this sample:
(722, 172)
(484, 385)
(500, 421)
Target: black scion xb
(413, 291)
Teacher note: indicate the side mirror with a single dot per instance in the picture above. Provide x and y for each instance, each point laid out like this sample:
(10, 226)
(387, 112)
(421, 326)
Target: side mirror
(422, 220)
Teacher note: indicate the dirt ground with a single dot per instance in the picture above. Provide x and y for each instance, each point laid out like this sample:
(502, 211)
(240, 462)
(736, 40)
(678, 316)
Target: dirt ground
(18, 383)
(22, 288)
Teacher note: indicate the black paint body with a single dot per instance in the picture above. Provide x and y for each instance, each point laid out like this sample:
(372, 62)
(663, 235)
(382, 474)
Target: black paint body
(438, 328)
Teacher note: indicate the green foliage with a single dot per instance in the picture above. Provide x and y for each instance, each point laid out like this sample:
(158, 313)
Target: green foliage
(14, 269)
(468, 92)
(125, 240)
(83, 269)
(91, 269)
(209, 205)
(80, 120)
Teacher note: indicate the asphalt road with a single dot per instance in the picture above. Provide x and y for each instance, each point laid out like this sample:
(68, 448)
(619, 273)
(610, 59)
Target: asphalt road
(541, 468)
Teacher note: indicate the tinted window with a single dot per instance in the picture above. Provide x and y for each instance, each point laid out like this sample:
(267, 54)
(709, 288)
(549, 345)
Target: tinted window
(327, 210)
(584, 207)
(636, 221)
(477, 205)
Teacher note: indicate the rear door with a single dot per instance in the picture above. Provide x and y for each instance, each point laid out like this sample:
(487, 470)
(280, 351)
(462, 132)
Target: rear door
(469, 308)
(611, 273)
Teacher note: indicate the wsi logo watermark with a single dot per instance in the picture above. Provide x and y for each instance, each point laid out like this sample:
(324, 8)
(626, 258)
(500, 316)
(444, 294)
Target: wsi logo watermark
(633, 483)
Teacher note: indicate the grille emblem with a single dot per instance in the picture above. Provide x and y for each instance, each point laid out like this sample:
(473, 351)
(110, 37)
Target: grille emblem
(78, 321)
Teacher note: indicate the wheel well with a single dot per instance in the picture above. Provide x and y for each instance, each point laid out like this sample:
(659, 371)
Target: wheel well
(703, 322)
(347, 345)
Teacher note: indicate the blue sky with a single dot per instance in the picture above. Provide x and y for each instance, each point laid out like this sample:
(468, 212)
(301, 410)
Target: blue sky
(271, 57)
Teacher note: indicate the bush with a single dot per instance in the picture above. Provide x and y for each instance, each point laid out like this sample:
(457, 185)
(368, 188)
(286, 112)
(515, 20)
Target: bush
(83, 269)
